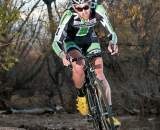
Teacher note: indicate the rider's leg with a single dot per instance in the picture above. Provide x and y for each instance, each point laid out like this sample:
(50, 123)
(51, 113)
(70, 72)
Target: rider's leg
(98, 64)
(78, 74)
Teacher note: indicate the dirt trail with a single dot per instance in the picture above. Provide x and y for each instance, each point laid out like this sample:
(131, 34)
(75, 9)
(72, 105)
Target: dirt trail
(68, 122)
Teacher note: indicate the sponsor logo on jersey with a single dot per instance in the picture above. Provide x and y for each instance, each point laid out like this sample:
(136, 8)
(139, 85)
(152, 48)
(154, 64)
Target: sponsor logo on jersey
(90, 23)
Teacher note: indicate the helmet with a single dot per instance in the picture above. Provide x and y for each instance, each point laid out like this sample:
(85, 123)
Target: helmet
(92, 2)
(80, 1)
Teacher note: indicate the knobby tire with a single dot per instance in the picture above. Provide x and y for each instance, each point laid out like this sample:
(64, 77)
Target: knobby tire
(97, 106)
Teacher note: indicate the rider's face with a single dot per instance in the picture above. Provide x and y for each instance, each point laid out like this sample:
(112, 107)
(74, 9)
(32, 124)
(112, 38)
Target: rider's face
(83, 10)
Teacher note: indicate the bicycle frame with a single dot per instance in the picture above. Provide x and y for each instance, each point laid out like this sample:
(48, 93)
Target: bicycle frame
(95, 95)
(99, 95)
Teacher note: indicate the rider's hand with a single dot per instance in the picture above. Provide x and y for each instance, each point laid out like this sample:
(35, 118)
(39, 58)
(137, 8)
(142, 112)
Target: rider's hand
(65, 61)
(113, 48)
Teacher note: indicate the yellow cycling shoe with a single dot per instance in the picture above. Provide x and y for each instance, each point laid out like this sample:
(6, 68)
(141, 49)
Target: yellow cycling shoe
(82, 105)
(116, 122)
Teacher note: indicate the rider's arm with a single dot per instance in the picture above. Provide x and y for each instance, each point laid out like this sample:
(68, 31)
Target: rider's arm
(102, 14)
(61, 34)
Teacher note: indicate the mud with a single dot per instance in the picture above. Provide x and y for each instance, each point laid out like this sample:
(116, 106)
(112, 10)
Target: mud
(69, 122)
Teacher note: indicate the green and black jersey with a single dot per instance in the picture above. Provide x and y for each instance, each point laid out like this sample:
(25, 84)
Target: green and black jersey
(74, 29)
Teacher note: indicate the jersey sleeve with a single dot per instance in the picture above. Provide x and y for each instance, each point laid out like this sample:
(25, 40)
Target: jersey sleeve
(100, 10)
(61, 34)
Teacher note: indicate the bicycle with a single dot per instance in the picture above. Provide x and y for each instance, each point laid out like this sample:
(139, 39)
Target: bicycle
(97, 103)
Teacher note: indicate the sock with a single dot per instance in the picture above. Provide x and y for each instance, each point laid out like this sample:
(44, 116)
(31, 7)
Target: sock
(81, 92)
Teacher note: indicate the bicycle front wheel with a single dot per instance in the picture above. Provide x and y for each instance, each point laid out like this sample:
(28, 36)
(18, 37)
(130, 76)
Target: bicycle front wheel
(94, 113)
(98, 107)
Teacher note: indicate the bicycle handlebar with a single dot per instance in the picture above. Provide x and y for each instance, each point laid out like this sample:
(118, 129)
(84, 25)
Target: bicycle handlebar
(87, 57)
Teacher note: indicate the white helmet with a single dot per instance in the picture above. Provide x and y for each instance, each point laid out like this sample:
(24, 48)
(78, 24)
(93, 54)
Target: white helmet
(80, 1)
(93, 3)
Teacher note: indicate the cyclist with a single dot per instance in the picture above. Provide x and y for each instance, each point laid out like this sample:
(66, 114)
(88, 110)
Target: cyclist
(75, 34)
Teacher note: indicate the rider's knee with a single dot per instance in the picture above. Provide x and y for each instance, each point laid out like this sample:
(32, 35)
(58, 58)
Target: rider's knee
(78, 69)
(101, 76)
(99, 73)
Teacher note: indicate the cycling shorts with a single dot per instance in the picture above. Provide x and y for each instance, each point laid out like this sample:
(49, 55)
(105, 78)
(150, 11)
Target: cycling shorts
(85, 46)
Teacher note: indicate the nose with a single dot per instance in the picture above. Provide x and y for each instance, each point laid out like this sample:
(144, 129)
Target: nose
(84, 12)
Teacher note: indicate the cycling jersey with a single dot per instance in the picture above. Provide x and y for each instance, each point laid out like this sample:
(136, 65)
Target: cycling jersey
(76, 31)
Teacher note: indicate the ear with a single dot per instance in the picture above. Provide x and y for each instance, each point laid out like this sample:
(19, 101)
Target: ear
(74, 9)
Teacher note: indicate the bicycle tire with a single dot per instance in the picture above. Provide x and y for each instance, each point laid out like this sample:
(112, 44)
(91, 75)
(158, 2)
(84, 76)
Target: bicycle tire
(108, 125)
(93, 110)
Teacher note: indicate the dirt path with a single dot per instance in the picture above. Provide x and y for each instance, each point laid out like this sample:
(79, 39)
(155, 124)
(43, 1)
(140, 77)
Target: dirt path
(68, 122)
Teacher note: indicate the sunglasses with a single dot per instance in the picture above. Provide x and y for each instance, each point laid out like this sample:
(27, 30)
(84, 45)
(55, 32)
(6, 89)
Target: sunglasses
(80, 9)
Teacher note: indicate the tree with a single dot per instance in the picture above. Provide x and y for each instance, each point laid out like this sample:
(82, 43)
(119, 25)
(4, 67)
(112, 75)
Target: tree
(8, 17)
(59, 75)
(136, 23)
